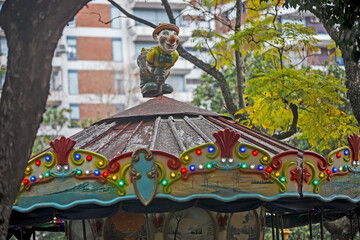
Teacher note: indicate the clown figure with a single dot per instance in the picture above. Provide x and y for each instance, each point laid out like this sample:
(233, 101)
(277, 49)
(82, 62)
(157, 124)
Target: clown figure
(156, 62)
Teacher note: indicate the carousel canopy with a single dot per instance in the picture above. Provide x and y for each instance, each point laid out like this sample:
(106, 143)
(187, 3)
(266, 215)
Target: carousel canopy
(165, 155)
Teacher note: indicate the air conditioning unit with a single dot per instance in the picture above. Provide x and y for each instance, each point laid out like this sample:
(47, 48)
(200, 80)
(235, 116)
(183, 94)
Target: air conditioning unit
(61, 48)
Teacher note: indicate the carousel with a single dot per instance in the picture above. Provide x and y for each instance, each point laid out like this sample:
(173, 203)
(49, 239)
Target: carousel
(168, 170)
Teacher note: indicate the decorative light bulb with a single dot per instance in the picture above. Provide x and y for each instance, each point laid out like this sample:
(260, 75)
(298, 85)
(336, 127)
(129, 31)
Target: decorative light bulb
(211, 149)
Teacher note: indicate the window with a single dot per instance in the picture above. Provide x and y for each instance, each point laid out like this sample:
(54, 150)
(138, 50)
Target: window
(115, 17)
(75, 115)
(119, 107)
(314, 19)
(3, 47)
(156, 16)
(140, 45)
(117, 49)
(73, 82)
(194, 81)
(2, 79)
(72, 22)
(118, 83)
(72, 48)
(177, 82)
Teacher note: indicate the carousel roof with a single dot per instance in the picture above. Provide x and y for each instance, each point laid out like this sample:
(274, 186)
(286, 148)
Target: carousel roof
(165, 155)
(168, 125)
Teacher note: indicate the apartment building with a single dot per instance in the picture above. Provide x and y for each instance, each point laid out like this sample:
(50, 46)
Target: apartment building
(94, 66)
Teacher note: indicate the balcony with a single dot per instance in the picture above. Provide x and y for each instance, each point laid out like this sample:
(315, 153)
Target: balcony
(56, 93)
(182, 67)
(144, 33)
(156, 4)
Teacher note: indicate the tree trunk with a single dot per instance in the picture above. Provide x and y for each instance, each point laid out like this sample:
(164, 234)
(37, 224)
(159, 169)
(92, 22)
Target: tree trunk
(352, 70)
(32, 29)
(239, 59)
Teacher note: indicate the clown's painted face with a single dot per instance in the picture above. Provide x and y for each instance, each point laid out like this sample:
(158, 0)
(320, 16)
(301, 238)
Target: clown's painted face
(168, 40)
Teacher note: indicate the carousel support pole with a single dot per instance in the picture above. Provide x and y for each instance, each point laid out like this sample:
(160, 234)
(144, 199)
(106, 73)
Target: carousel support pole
(277, 226)
(84, 229)
(310, 228)
(282, 227)
(34, 234)
(272, 226)
(322, 225)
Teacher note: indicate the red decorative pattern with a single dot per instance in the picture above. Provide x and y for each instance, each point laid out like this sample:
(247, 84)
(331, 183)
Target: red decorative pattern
(331, 175)
(101, 179)
(306, 175)
(321, 161)
(185, 176)
(157, 221)
(114, 165)
(173, 163)
(294, 175)
(354, 142)
(62, 148)
(30, 184)
(226, 139)
(222, 220)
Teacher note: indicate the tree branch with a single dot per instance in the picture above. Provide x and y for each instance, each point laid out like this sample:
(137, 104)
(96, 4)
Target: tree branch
(292, 130)
(129, 15)
(238, 59)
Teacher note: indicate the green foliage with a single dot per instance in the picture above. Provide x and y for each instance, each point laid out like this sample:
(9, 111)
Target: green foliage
(53, 121)
(301, 233)
(317, 96)
(208, 95)
(88, 121)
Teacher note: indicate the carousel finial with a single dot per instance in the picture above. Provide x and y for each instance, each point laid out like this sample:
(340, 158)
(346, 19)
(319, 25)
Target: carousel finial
(155, 63)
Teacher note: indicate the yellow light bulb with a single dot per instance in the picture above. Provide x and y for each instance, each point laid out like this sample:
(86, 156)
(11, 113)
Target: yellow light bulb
(265, 158)
(101, 163)
(172, 174)
(114, 177)
(277, 174)
(28, 169)
(321, 175)
(186, 157)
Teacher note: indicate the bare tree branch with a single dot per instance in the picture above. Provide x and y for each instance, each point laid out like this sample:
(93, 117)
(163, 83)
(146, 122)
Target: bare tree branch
(129, 15)
(100, 20)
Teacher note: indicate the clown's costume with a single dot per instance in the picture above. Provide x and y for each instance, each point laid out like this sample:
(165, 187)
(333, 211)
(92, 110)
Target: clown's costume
(155, 63)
